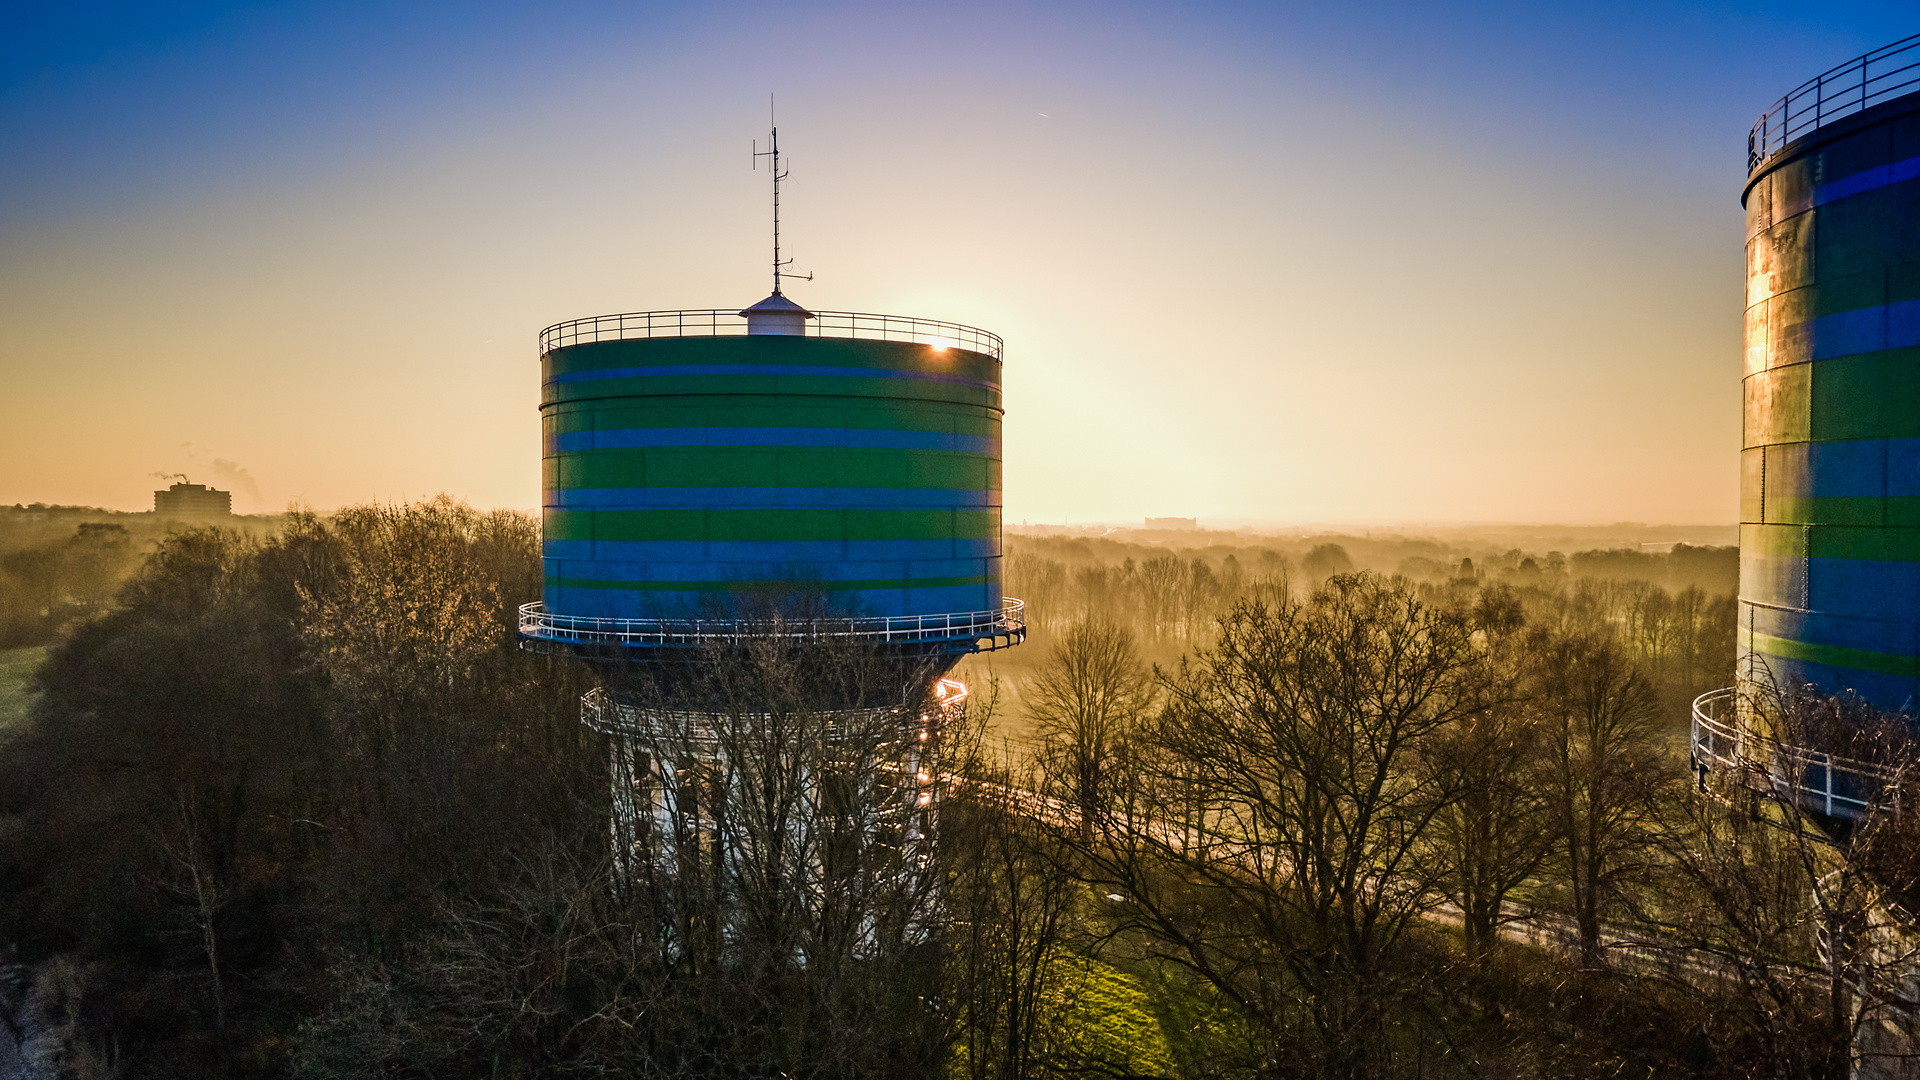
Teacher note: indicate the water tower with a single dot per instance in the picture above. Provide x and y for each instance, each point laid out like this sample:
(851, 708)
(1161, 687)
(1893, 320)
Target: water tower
(1830, 459)
(718, 479)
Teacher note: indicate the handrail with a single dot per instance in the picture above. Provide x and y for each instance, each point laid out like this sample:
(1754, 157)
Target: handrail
(726, 322)
(1881, 75)
(536, 623)
(1720, 741)
(603, 711)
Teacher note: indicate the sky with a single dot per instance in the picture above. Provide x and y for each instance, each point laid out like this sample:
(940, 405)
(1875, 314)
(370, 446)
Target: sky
(1261, 264)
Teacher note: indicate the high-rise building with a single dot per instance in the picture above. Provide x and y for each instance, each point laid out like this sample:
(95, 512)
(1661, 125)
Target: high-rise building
(195, 501)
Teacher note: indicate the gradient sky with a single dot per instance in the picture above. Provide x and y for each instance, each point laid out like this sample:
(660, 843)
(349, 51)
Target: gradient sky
(1258, 263)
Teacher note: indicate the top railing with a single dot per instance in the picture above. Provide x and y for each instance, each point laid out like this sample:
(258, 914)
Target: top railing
(1881, 75)
(727, 322)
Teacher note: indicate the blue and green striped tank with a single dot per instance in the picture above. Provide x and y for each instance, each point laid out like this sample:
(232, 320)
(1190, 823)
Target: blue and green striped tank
(692, 474)
(1830, 469)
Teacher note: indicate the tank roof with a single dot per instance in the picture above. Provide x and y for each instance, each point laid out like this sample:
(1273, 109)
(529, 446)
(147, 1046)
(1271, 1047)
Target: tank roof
(776, 304)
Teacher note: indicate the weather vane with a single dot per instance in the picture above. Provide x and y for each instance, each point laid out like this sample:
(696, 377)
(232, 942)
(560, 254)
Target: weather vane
(778, 175)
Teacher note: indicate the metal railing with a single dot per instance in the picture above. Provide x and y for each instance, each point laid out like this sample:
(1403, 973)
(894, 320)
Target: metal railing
(604, 712)
(1881, 75)
(726, 322)
(1010, 622)
(1835, 786)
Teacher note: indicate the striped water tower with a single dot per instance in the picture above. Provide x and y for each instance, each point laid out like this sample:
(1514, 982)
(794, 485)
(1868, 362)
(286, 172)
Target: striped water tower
(713, 477)
(1830, 465)
(1830, 462)
(700, 463)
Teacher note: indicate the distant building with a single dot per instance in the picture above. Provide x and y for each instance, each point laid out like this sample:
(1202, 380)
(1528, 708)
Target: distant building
(193, 501)
(1173, 523)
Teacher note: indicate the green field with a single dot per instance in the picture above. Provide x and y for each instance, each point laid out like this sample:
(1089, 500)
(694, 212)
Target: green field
(15, 666)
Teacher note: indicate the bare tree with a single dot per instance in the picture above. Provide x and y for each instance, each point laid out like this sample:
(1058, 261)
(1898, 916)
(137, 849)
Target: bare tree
(1010, 913)
(1091, 693)
(1162, 580)
(196, 882)
(1492, 837)
(1045, 584)
(1264, 833)
(1200, 596)
(1604, 772)
(785, 802)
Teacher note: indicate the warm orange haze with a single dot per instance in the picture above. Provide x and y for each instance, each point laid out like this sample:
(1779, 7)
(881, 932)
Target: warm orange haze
(1240, 276)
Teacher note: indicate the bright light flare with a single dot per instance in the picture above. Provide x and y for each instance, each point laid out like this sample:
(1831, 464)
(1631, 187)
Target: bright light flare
(941, 344)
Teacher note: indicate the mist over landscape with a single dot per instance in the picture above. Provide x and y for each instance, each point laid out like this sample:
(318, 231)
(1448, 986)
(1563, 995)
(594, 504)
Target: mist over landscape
(319, 704)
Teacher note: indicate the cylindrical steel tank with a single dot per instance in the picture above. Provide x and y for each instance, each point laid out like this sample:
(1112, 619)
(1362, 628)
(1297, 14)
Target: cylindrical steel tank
(696, 470)
(1830, 460)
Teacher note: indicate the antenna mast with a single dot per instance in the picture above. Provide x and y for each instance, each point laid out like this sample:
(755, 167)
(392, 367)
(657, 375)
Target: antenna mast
(778, 175)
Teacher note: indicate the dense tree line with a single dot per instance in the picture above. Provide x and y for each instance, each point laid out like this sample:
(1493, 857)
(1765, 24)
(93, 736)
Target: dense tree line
(297, 806)
(46, 584)
(300, 806)
(277, 761)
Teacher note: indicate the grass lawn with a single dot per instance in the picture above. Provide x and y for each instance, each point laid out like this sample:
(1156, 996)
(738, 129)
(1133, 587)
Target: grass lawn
(15, 666)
